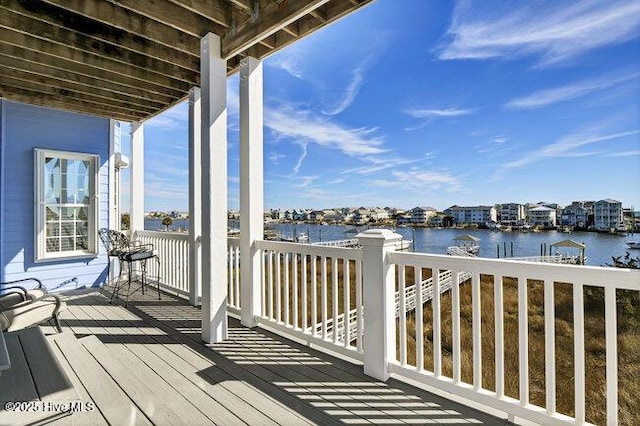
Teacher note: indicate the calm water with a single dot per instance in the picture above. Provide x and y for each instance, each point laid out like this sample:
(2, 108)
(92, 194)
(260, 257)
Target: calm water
(600, 247)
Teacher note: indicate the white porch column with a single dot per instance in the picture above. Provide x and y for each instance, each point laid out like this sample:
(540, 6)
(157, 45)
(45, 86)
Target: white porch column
(195, 195)
(213, 75)
(136, 193)
(378, 296)
(251, 187)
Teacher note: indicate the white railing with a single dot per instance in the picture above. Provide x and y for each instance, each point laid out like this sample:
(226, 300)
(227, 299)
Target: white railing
(172, 249)
(304, 285)
(493, 331)
(233, 277)
(506, 280)
(409, 300)
(352, 242)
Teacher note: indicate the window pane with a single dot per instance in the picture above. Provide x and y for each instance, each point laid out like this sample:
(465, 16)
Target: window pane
(53, 245)
(82, 243)
(82, 213)
(53, 229)
(66, 244)
(53, 213)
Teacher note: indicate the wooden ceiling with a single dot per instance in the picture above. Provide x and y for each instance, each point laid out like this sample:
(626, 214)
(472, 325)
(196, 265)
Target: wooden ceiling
(131, 59)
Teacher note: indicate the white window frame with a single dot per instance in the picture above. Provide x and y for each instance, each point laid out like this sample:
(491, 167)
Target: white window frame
(40, 236)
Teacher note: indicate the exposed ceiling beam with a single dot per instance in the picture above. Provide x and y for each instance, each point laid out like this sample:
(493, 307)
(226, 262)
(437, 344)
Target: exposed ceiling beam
(92, 34)
(274, 17)
(104, 63)
(106, 102)
(173, 15)
(12, 73)
(109, 13)
(64, 102)
(22, 54)
(214, 10)
(91, 83)
(66, 40)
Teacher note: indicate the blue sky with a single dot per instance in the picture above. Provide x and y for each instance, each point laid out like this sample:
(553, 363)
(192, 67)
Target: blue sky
(412, 102)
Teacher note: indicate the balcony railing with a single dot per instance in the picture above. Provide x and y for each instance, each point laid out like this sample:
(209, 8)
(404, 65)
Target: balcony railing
(173, 250)
(512, 335)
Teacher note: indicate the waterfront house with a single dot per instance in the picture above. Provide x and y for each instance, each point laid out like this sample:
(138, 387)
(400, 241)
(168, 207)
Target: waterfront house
(476, 215)
(607, 214)
(511, 214)
(542, 216)
(96, 61)
(578, 214)
(421, 215)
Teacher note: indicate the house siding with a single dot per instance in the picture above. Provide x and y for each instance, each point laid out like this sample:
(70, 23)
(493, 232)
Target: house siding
(25, 128)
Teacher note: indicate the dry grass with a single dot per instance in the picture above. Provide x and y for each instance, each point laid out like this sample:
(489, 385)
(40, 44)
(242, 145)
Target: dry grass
(628, 347)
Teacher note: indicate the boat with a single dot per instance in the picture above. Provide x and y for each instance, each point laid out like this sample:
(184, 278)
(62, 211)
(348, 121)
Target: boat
(634, 244)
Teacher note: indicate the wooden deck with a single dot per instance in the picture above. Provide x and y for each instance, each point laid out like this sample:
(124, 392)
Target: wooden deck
(145, 364)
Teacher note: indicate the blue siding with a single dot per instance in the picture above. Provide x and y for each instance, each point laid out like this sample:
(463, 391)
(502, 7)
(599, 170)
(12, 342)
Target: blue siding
(24, 128)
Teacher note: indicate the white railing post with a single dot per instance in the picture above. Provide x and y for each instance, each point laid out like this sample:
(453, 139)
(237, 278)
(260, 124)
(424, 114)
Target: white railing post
(251, 189)
(378, 301)
(195, 195)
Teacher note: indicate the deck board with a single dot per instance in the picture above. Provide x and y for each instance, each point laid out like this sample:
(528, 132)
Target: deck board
(255, 377)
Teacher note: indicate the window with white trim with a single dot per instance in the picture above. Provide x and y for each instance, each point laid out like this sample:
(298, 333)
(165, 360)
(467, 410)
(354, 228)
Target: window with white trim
(66, 204)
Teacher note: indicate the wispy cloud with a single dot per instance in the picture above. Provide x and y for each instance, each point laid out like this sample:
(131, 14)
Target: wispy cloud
(571, 146)
(305, 181)
(174, 118)
(378, 164)
(553, 31)
(624, 154)
(303, 155)
(427, 115)
(335, 79)
(561, 94)
(302, 126)
(437, 113)
(420, 180)
(276, 157)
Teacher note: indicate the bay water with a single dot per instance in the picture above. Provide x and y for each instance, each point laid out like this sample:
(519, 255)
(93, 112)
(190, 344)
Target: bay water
(600, 246)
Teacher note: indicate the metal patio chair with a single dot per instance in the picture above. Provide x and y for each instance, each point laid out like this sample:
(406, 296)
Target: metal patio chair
(128, 252)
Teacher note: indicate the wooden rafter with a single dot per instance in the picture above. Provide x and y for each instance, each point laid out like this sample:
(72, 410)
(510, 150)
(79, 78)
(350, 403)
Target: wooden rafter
(130, 59)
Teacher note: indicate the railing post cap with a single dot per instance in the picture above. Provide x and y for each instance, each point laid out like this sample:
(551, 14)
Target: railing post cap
(378, 237)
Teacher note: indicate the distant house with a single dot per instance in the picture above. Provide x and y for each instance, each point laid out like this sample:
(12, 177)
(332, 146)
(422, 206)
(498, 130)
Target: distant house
(316, 216)
(437, 221)
(512, 214)
(332, 216)
(576, 214)
(421, 215)
(278, 214)
(379, 214)
(361, 216)
(403, 219)
(542, 216)
(607, 214)
(478, 215)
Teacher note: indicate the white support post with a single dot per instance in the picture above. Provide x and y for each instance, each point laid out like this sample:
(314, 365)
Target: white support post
(136, 196)
(379, 301)
(114, 189)
(251, 188)
(213, 75)
(195, 196)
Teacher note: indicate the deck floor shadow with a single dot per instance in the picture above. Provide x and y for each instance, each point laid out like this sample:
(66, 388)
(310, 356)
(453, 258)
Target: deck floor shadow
(257, 376)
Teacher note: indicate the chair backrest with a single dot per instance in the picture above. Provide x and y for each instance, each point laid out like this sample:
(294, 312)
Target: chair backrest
(114, 241)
